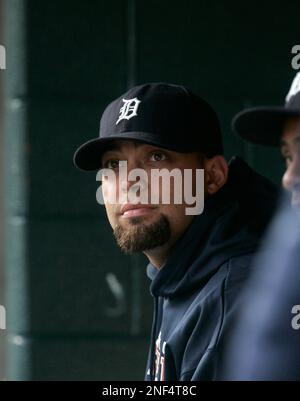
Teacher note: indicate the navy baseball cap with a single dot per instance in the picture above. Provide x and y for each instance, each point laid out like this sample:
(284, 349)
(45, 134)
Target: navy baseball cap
(165, 115)
(264, 125)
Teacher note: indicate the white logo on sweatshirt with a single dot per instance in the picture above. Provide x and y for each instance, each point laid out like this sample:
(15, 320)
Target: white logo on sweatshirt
(159, 363)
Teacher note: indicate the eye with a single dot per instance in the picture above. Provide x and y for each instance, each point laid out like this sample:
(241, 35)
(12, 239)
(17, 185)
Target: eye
(157, 156)
(112, 164)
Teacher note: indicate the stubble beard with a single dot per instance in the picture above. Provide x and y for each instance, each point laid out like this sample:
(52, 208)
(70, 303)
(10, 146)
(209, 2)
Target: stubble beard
(140, 237)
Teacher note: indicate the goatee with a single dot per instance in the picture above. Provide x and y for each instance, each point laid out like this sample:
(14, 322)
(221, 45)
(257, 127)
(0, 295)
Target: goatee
(139, 237)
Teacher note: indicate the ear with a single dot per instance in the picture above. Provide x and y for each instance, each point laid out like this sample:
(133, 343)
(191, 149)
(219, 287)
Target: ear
(216, 173)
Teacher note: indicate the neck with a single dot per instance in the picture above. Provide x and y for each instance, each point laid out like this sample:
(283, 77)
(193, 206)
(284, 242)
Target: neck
(158, 256)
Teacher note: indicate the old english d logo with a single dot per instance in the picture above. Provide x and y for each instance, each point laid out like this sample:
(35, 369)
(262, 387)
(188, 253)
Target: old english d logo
(129, 109)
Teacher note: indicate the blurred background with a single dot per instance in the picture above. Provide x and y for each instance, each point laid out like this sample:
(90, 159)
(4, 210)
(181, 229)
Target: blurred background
(2, 300)
(77, 309)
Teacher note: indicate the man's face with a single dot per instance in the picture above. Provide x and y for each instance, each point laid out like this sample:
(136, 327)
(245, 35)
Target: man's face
(290, 149)
(151, 225)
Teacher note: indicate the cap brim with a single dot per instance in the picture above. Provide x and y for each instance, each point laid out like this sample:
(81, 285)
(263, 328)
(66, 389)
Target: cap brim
(262, 125)
(88, 156)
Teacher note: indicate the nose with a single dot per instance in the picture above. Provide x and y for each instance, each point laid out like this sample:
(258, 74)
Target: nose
(127, 184)
(291, 178)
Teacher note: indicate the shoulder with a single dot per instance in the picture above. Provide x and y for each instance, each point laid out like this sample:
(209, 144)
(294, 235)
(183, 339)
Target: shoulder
(239, 270)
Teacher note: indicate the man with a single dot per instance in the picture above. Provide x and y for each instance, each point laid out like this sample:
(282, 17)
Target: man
(197, 263)
(267, 341)
(277, 127)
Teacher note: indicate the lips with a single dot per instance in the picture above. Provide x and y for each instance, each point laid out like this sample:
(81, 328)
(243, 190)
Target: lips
(135, 209)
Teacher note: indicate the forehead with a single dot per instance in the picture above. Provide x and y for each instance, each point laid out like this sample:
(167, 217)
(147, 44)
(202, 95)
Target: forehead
(291, 132)
(127, 147)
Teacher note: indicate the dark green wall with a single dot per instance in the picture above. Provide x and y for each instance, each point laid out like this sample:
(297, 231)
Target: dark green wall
(65, 61)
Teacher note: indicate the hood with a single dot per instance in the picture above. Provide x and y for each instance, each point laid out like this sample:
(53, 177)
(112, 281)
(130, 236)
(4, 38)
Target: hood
(231, 224)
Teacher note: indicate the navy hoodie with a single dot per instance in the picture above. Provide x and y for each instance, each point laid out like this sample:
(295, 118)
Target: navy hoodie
(196, 292)
(266, 343)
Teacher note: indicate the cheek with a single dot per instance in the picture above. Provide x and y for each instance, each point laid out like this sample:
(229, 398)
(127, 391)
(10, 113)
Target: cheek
(110, 196)
(177, 216)
(110, 214)
(110, 191)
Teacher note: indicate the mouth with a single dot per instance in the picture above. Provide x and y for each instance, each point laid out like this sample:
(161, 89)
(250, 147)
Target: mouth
(130, 210)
